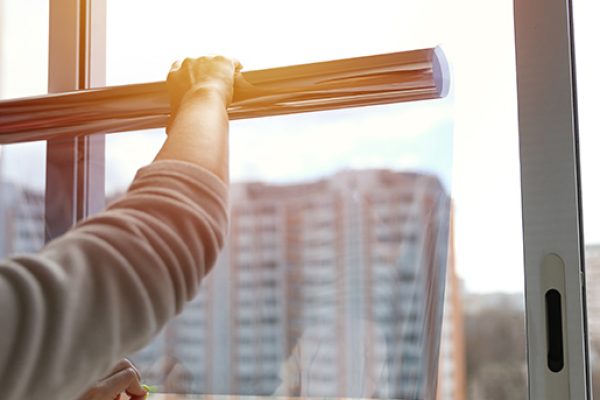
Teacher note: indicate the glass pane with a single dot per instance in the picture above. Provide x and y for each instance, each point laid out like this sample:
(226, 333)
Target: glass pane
(587, 67)
(261, 35)
(23, 72)
(369, 170)
(23, 48)
(338, 241)
(22, 185)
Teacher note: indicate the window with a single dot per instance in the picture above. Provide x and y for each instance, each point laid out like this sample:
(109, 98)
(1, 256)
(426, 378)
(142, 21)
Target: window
(302, 175)
(316, 190)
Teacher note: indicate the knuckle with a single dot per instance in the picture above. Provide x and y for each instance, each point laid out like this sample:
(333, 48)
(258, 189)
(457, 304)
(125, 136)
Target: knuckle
(130, 372)
(135, 369)
(127, 362)
(121, 364)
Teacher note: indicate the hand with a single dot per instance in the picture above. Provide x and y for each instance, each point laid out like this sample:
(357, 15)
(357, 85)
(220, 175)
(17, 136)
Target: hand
(201, 75)
(124, 379)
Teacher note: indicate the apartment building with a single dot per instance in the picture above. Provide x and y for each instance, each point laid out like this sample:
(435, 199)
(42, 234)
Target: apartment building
(326, 288)
(452, 368)
(21, 219)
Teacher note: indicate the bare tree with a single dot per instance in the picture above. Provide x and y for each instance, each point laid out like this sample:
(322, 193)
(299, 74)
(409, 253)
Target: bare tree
(496, 354)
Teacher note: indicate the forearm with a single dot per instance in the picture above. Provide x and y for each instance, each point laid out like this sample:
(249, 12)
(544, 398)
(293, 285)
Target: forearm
(199, 133)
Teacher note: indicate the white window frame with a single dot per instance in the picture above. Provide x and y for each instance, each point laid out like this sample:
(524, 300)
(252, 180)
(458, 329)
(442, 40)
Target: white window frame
(550, 179)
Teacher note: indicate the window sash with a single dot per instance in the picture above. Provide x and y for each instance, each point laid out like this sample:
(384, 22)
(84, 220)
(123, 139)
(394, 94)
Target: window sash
(74, 165)
(552, 225)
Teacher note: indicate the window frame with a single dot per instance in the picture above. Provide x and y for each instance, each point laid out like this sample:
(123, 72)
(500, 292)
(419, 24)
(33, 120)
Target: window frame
(75, 166)
(551, 195)
(549, 158)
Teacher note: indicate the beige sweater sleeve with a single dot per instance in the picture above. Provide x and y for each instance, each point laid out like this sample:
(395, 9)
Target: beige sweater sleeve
(105, 288)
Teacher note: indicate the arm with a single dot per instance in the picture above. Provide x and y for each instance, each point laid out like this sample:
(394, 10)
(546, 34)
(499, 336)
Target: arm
(201, 122)
(105, 288)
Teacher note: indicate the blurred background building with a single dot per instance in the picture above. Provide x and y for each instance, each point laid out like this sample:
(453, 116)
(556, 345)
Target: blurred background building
(592, 255)
(592, 269)
(452, 379)
(328, 288)
(21, 218)
(349, 270)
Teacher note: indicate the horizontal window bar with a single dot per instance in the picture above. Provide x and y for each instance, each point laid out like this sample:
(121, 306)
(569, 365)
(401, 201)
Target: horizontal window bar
(380, 79)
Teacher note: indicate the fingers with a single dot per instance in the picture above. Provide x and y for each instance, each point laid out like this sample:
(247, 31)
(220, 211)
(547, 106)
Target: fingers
(214, 73)
(189, 63)
(124, 377)
(124, 364)
(125, 380)
(235, 64)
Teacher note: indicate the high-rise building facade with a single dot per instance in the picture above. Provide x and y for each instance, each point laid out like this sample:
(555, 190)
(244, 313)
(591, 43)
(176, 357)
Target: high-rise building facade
(328, 288)
(452, 369)
(21, 219)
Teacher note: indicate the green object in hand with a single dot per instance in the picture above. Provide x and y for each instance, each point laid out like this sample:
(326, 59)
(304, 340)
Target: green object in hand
(150, 389)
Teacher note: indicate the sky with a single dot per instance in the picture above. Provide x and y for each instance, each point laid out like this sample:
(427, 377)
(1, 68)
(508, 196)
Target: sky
(469, 139)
